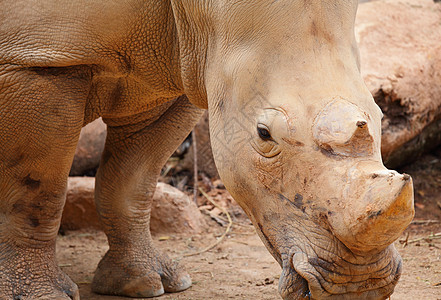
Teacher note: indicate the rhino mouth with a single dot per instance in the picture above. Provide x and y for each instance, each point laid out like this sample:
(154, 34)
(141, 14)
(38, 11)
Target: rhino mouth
(293, 286)
(308, 277)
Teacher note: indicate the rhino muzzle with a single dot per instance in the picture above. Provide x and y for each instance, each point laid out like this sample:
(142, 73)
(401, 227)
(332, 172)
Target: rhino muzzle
(376, 204)
(376, 216)
(315, 273)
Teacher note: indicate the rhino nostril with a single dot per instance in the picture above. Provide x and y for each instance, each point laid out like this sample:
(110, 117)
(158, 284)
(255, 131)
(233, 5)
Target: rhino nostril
(361, 124)
(406, 177)
(387, 174)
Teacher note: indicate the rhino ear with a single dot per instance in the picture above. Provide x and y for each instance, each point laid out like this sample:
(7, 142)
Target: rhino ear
(343, 129)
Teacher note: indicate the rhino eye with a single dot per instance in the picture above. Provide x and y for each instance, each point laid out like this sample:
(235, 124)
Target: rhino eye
(263, 132)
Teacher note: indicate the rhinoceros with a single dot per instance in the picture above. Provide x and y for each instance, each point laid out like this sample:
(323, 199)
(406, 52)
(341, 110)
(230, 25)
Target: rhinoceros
(295, 136)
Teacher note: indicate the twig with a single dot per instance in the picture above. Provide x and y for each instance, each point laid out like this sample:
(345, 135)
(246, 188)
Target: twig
(423, 222)
(240, 242)
(204, 272)
(224, 220)
(219, 240)
(195, 167)
(404, 242)
(429, 237)
(167, 169)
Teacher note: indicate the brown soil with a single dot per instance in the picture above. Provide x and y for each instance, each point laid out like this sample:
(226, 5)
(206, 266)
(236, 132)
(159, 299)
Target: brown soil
(241, 268)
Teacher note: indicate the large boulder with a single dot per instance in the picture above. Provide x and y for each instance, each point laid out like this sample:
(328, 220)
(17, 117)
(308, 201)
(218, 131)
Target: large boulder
(89, 149)
(400, 49)
(172, 210)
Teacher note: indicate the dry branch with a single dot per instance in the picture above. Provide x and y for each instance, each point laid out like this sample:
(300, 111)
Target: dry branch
(424, 222)
(195, 167)
(219, 240)
(429, 237)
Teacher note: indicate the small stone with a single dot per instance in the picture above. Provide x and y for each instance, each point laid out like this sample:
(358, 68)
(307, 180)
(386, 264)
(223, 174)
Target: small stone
(269, 281)
(174, 212)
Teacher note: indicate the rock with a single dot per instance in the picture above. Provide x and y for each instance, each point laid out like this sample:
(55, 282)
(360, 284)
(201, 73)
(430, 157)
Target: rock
(79, 211)
(172, 210)
(89, 149)
(400, 49)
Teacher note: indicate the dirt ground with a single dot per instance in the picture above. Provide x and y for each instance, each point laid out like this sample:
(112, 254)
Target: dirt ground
(241, 268)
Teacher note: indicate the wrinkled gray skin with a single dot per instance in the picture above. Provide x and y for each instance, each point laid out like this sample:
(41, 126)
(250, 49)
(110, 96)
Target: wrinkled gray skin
(295, 135)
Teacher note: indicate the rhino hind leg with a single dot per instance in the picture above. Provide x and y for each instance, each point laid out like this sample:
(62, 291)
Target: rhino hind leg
(126, 180)
(41, 117)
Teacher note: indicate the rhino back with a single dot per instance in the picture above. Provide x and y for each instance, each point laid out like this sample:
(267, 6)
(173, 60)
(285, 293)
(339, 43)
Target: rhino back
(130, 47)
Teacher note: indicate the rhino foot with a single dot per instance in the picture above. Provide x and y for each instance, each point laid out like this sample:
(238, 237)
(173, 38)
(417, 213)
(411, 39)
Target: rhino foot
(34, 274)
(131, 276)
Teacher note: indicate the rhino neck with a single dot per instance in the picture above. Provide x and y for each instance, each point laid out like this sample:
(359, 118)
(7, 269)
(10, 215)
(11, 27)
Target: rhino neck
(193, 29)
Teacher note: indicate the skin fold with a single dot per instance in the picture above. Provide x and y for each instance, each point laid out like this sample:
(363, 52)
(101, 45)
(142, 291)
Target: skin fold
(294, 130)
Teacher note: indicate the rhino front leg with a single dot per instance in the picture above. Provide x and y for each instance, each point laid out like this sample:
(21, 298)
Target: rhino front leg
(40, 119)
(133, 157)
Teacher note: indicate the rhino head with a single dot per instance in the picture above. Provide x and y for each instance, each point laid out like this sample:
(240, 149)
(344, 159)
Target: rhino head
(296, 139)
